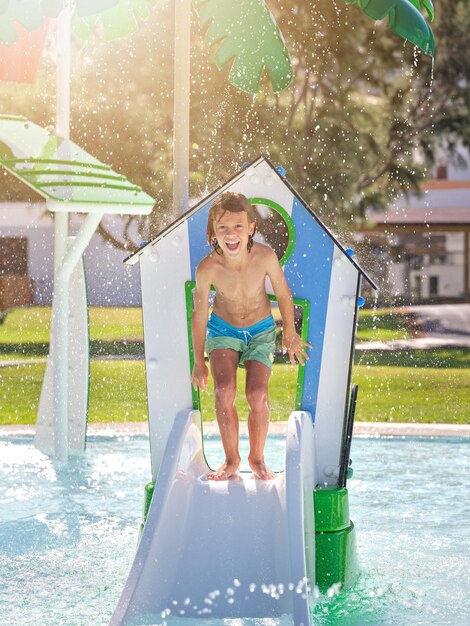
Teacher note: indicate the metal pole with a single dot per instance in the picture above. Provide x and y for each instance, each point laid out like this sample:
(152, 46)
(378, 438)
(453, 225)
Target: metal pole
(182, 90)
(59, 327)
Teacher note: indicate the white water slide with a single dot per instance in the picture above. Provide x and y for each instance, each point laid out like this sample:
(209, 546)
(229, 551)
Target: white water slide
(236, 548)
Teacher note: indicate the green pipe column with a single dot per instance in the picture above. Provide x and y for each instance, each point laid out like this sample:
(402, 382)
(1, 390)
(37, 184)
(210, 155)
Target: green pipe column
(335, 539)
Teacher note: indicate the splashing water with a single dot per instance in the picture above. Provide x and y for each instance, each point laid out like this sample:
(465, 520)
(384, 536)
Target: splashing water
(68, 535)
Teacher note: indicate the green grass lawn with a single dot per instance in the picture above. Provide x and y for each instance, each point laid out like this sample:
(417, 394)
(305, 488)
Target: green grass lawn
(25, 331)
(384, 325)
(32, 324)
(412, 385)
(113, 330)
(118, 394)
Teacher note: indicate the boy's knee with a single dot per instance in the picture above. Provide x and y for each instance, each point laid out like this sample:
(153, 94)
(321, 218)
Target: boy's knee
(257, 398)
(225, 394)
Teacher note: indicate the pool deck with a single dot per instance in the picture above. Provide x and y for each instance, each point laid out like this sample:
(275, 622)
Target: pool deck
(361, 429)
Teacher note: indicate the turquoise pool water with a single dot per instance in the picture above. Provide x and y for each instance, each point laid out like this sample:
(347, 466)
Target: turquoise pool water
(68, 536)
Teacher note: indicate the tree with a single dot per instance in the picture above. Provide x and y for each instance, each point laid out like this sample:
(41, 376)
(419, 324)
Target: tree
(346, 130)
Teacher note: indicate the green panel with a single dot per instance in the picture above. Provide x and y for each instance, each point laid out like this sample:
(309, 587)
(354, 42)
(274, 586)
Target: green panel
(58, 169)
(246, 35)
(305, 304)
(403, 19)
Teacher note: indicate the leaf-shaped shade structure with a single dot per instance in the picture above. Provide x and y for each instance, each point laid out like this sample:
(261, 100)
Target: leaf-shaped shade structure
(248, 35)
(118, 18)
(403, 18)
(29, 13)
(427, 5)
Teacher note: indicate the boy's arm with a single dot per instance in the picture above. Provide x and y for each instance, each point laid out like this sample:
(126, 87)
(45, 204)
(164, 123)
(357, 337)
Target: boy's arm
(292, 342)
(200, 372)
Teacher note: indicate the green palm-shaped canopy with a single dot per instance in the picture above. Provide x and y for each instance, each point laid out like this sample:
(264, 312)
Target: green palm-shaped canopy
(404, 18)
(244, 31)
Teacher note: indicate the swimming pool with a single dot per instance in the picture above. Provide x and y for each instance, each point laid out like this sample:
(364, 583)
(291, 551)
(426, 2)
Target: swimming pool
(68, 535)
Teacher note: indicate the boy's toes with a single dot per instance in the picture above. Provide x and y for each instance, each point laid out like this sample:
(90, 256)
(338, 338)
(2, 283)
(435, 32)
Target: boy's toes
(225, 471)
(261, 470)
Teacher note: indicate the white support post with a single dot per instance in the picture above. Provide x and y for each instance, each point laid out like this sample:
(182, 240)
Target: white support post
(59, 326)
(62, 127)
(182, 91)
(60, 329)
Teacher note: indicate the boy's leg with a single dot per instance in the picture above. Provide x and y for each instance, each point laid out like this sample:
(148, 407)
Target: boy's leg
(257, 381)
(224, 363)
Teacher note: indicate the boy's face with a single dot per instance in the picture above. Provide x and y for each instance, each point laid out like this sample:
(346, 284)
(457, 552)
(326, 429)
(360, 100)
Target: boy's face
(232, 231)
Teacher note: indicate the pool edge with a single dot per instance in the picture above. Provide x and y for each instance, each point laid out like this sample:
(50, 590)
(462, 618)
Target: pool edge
(369, 429)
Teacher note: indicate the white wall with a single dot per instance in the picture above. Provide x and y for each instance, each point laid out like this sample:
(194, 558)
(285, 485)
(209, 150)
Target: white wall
(109, 282)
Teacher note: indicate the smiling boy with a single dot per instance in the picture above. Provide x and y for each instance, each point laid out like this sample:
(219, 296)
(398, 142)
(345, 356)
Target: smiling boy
(241, 328)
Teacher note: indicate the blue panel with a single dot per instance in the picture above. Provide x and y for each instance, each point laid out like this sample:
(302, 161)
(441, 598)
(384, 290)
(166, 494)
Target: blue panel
(308, 273)
(197, 228)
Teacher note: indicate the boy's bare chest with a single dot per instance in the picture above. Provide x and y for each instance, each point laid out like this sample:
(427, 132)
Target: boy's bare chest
(240, 285)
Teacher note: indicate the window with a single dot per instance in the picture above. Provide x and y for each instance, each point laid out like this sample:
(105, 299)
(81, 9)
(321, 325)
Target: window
(434, 285)
(274, 227)
(441, 173)
(13, 256)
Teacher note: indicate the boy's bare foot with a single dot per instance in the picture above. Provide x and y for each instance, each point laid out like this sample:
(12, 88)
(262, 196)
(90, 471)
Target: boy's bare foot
(225, 471)
(261, 470)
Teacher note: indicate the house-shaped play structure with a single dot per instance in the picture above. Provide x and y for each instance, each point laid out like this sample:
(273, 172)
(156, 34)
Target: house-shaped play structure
(324, 279)
(245, 547)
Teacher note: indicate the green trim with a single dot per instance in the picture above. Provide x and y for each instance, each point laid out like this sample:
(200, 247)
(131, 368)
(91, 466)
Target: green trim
(25, 172)
(289, 223)
(148, 495)
(188, 289)
(98, 166)
(305, 304)
(71, 184)
(13, 118)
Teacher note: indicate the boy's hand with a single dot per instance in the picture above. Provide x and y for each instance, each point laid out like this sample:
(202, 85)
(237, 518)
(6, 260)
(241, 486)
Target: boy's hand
(295, 346)
(200, 376)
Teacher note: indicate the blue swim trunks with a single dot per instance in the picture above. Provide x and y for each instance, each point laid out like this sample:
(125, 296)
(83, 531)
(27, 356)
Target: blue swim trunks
(253, 343)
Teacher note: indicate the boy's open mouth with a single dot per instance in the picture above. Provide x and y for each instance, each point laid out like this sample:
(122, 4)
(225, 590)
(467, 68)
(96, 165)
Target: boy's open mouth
(232, 246)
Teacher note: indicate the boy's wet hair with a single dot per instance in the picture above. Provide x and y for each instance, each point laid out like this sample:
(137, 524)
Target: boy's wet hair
(234, 203)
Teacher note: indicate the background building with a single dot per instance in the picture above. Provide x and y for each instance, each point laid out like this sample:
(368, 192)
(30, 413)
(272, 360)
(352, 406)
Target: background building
(424, 239)
(26, 258)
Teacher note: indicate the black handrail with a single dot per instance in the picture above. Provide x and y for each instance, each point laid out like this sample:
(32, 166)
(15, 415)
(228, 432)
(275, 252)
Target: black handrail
(343, 470)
